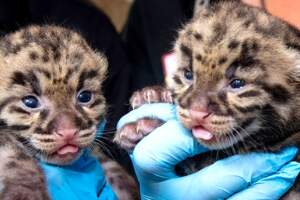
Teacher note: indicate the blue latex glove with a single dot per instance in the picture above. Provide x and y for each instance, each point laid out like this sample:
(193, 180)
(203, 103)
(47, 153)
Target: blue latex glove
(250, 176)
(82, 180)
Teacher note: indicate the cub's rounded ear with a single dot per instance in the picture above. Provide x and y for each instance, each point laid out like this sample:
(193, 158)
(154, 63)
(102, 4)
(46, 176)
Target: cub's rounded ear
(102, 63)
(208, 4)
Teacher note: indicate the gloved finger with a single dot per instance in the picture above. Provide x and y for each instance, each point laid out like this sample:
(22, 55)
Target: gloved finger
(229, 176)
(163, 111)
(166, 146)
(271, 187)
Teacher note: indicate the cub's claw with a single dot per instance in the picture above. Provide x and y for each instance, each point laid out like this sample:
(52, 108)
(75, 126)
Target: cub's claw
(130, 134)
(153, 94)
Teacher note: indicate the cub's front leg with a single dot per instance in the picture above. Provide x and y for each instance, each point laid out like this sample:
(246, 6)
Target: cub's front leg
(20, 176)
(130, 134)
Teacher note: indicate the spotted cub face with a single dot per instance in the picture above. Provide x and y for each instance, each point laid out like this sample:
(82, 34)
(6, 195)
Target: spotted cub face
(237, 79)
(50, 91)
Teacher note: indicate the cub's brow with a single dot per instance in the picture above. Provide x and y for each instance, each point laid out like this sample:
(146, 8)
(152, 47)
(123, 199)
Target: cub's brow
(86, 75)
(25, 79)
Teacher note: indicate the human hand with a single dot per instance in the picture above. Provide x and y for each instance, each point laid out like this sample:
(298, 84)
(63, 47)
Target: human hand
(249, 176)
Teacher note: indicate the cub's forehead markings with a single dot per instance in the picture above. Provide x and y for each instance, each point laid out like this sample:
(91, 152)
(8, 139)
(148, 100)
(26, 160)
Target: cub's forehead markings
(57, 55)
(219, 31)
(44, 72)
(198, 57)
(198, 36)
(76, 58)
(69, 74)
(233, 44)
(33, 56)
(186, 50)
(52, 42)
(34, 83)
(46, 57)
(20, 78)
(222, 60)
(86, 75)
(230, 71)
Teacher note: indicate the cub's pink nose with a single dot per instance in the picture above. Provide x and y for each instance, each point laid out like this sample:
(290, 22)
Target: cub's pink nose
(198, 115)
(66, 134)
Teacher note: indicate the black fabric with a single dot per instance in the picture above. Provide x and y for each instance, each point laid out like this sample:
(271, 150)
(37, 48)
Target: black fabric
(149, 34)
(94, 26)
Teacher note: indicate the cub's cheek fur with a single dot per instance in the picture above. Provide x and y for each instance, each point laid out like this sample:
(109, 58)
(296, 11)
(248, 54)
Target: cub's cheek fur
(230, 42)
(60, 77)
(183, 115)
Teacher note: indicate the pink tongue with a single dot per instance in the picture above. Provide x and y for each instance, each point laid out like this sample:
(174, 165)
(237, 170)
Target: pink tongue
(67, 149)
(201, 133)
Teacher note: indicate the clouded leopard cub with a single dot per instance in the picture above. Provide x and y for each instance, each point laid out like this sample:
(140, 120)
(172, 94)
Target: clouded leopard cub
(50, 105)
(237, 82)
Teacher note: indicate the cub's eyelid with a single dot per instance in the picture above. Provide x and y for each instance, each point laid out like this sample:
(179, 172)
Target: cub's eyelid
(182, 69)
(92, 90)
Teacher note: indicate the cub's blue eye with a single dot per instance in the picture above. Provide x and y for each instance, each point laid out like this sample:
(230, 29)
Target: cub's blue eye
(188, 74)
(237, 83)
(31, 102)
(84, 96)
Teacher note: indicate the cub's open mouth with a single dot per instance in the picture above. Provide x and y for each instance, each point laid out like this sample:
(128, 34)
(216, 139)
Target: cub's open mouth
(67, 150)
(200, 132)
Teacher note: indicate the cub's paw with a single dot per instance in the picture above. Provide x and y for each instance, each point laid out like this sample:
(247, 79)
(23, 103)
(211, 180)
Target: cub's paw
(121, 182)
(130, 134)
(153, 94)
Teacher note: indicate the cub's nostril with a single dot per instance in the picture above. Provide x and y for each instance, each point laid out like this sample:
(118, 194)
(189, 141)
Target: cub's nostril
(66, 133)
(198, 115)
(58, 133)
(207, 115)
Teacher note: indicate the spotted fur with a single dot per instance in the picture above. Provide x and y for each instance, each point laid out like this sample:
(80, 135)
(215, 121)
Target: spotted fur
(228, 41)
(54, 66)
(239, 42)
